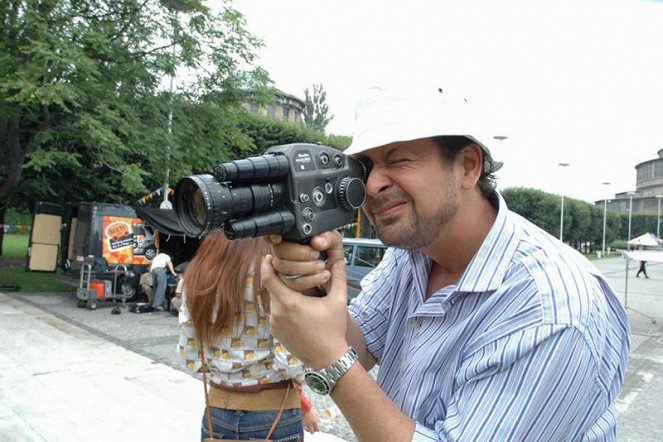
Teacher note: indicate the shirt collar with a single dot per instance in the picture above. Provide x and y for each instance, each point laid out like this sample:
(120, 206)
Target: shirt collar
(485, 272)
(490, 263)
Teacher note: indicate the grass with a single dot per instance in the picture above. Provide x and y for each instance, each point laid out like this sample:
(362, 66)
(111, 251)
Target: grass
(14, 246)
(13, 274)
(32, 282)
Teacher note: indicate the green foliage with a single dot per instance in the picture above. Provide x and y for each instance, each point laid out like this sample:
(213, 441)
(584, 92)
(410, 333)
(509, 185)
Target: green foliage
(583, 222)
(535, 205)
(265, 132)
(316, 109)
(83, 112)
(15, 217)
(640, 224)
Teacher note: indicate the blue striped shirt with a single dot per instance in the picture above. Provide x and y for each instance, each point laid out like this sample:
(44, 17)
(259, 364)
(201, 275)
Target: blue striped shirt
(530, 344)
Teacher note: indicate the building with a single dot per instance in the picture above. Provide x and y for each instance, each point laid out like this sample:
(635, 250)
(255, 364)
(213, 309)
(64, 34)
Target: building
(286, 108)
(648, 189)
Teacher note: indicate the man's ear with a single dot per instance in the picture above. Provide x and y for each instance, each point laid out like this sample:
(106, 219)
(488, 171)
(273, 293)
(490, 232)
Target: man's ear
(472, 161)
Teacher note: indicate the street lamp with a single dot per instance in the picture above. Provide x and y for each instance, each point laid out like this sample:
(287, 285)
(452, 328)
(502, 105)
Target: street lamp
(166, 204)
(605, 208)
(498, 164)
(630, 212)
(561, 212)
(658, 218)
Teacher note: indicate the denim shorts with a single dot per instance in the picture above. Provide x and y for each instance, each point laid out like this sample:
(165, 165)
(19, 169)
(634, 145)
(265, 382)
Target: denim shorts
(242, 425)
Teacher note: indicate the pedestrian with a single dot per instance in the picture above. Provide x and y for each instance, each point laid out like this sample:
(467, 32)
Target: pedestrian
(224, 314)
(161, 264)
(484, 326)
(642, 269)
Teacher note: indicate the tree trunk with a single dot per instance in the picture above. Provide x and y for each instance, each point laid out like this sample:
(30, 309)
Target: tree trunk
(14, 153)
(3, 209)
(10, 146)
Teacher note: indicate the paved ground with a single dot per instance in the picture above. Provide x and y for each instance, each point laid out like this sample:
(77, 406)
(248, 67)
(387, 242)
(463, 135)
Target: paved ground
(69, 374)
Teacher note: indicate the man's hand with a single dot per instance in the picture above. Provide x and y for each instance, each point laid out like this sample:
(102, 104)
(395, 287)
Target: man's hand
(304, 262)
(313, 329)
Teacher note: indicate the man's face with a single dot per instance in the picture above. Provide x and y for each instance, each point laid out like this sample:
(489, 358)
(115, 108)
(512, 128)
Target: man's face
(412, 193)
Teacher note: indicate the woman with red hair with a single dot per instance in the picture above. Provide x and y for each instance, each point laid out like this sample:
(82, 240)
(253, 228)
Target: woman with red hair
(224, 318)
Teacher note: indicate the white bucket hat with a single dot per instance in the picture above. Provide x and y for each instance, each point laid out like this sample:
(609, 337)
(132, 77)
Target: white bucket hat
(384, 117)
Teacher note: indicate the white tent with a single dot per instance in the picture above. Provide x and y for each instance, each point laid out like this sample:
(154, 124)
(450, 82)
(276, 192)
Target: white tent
(648, 239)
(645, 255)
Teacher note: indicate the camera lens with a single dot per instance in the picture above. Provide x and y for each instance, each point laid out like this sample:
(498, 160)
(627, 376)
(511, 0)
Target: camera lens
(197, 204)
(262, 168)
(203, 204)
(259, 225)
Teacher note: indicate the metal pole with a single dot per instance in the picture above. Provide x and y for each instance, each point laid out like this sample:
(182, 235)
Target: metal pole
(561, 221)
(561, 212)
(166, 203)
(605, 207)
(658, 218)
(626, 284)
(630, 212)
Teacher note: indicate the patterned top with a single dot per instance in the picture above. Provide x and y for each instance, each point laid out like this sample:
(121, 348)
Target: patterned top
(244, 353)
(531, 344)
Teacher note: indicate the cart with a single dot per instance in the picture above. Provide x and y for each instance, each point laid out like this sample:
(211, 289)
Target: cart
(112, 284)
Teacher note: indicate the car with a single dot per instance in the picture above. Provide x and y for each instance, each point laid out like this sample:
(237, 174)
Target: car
(144, 242)
(362, 255)
(354, 287)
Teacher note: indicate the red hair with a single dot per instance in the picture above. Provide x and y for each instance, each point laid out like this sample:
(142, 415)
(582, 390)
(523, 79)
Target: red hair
(217, 278)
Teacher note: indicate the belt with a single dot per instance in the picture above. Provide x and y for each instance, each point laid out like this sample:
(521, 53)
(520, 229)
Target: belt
(252, 388)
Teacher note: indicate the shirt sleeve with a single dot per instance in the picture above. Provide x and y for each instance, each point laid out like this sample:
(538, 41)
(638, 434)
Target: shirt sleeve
(539, 384)
(371, 307)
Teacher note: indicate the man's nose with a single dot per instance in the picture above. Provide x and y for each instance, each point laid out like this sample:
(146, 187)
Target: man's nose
(377, 181)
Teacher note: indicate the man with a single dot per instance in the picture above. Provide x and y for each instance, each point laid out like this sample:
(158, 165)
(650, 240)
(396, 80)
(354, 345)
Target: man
(158, 268)
(484, 326)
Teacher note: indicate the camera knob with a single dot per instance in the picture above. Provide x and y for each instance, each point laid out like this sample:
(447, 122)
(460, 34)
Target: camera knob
(351, 193)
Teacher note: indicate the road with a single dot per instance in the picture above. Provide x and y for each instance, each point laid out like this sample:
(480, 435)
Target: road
(154, 335)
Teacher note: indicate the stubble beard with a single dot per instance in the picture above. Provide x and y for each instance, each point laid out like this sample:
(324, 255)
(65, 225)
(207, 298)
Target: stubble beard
(418, 230)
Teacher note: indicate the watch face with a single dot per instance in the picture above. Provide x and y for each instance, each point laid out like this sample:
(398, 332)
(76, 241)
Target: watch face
(317, 383)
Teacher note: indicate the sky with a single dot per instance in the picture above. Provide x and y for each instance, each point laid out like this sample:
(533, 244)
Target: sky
(577, 82)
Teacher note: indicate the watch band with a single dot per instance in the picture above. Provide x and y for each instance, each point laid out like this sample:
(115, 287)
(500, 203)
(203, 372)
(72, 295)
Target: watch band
(323, 381)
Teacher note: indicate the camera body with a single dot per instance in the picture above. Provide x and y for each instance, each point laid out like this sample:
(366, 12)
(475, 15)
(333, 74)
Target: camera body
(296, 190)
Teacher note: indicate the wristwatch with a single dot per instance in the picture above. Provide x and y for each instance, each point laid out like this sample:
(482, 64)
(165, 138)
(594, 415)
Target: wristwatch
(323, 381)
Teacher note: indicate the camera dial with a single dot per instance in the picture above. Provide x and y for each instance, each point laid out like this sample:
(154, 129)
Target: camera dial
(351, 193)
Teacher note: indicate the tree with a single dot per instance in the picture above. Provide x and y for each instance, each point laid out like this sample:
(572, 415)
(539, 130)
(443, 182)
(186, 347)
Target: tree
(82, 106)
(583, 222)
(316, 110)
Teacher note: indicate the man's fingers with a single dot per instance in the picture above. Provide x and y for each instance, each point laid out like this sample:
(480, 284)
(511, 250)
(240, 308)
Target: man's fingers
(288, 267)
(331, 243)
(293, 251)
(269, 278)
(338, 284)
(273, 239)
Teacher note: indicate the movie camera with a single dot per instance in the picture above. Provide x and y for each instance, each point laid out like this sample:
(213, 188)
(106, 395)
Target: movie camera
(296, 190)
